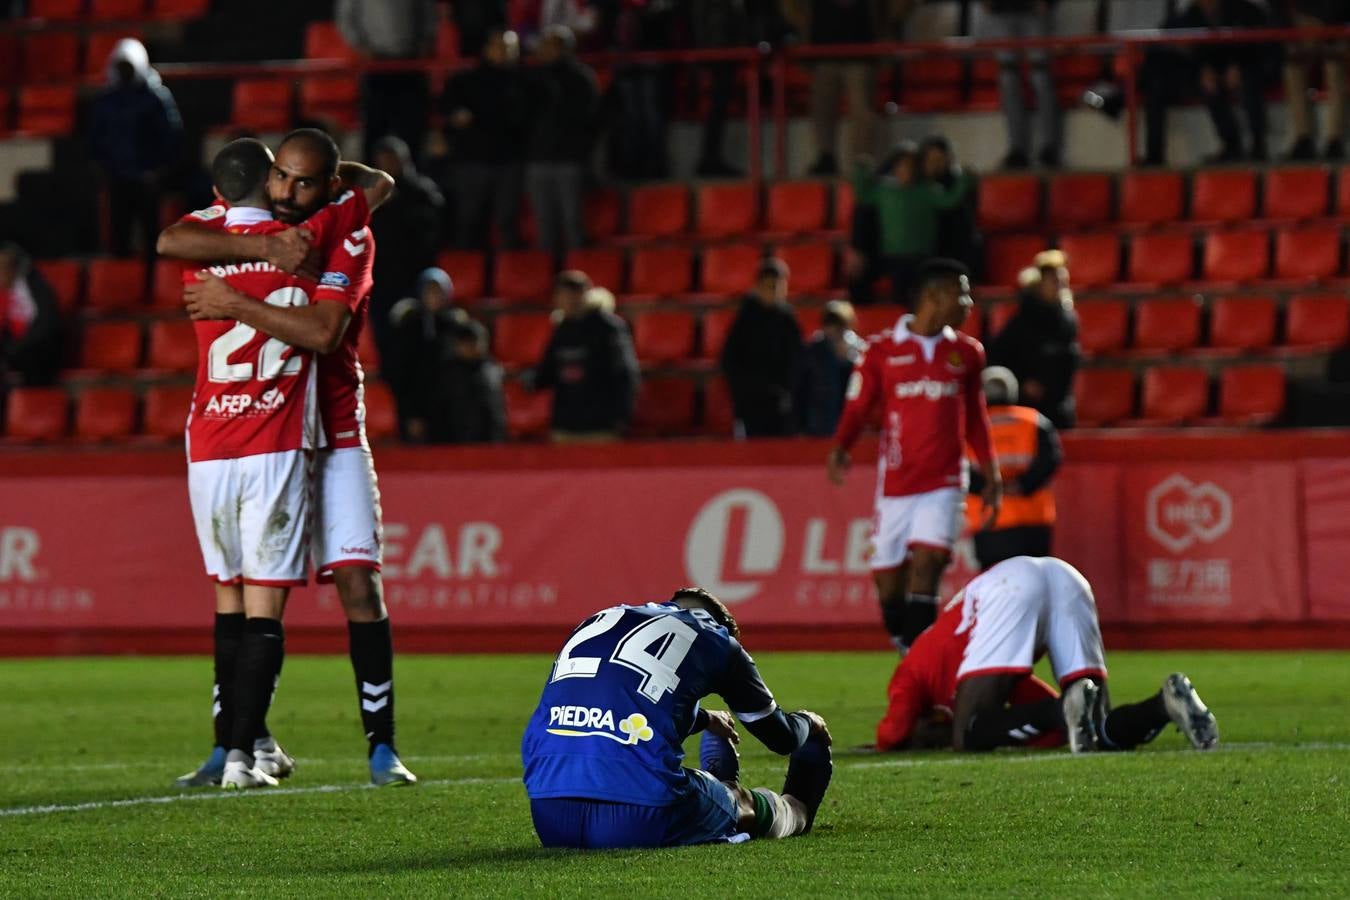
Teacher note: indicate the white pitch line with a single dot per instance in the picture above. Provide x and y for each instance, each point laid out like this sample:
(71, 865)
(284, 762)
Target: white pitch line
(303, 761)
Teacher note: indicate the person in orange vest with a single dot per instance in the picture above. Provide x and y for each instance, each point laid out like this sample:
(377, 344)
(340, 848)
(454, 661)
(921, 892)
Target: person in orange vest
(1029, 453)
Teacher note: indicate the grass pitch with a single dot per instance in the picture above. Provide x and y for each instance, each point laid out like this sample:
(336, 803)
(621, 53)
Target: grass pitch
(89, 747)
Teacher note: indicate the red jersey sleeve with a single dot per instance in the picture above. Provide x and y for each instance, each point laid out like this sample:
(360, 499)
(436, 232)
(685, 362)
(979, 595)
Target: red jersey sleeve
(864, 387)
(906, 701)
(977, 411)
(211, 216)
(341, 232)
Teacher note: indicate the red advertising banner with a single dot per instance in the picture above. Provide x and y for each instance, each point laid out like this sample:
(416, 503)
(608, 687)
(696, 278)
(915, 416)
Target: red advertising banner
(1326, 504)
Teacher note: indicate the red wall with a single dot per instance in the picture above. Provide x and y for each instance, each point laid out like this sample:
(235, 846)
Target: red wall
(1195, 539)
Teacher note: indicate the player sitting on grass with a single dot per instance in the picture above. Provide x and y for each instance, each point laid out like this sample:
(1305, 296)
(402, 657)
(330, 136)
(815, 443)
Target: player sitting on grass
(603, 752)
(967, 683)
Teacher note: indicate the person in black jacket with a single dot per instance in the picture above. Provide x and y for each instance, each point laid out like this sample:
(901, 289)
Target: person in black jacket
(564, 104)
(763, 356)
(1040, 342)
(486, 109)
(471, 407)
(589, 363)
(30, 322)
(828, 364)
(958, 238)
(422, 333)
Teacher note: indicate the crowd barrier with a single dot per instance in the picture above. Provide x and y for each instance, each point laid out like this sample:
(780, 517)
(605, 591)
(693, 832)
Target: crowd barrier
(1191, 540)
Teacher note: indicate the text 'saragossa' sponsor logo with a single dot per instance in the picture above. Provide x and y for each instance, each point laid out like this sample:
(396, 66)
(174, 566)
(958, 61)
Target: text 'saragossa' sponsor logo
(927, 388)
(588, 721)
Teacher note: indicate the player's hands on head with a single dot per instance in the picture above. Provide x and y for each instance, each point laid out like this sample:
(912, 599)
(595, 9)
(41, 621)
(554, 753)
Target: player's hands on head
(836, 464)
(292, 251)
(723, 724)
(209, 297)
(818, 727)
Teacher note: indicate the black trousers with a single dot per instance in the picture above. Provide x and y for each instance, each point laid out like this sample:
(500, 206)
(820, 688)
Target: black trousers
(993, 547)
(396, 103)
(133, 210)
(1168, 77)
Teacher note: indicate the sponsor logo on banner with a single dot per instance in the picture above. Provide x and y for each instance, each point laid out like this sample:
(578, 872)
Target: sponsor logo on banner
(24, 586)
(1182, 513)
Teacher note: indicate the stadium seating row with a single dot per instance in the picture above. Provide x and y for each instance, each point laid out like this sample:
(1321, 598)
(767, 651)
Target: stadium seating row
(115, 10)
(1179, 395)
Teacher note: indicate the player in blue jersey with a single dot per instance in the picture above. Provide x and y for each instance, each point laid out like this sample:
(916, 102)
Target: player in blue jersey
(603, 755)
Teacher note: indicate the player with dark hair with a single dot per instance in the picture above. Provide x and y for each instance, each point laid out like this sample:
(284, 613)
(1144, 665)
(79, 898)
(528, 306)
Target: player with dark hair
(925, 376)
(603, 753)
(967, 682)
(306, 176)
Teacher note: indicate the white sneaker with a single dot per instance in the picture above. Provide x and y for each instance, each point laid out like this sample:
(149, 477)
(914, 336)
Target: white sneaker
(1078, 704)
(270, 759)
(1189, 712)
(241, 774)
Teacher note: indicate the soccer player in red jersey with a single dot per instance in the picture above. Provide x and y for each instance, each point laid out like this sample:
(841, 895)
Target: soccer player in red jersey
(924, 375)
(967, 682)
(347, 534)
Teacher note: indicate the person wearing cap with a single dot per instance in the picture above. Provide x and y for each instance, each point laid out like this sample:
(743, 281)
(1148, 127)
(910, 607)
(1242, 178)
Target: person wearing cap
(1029, 454)
(423, 330)
(1040, 342)
(762, 357)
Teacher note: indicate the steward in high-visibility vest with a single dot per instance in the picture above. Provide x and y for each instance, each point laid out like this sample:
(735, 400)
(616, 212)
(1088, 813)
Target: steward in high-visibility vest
(1029, 453)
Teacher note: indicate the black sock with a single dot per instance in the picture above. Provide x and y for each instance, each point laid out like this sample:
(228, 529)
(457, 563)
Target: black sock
(372, 651)
(1013, 726)
(265, 733)
(259, 655)
(920, 612)
(893, 617)
(1126, 727)
(229, 632)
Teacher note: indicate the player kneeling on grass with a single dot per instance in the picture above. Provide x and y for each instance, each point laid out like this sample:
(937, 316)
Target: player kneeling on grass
(603, 751)
(967, 683)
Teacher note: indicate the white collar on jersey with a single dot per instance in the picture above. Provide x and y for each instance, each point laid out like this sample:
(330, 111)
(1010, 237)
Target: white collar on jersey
(928, 342)
(246, 215)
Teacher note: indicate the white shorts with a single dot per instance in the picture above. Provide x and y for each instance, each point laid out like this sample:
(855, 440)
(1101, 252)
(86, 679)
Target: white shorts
(1027, 607)
(347, 529)
(252, 517)
(931, 519)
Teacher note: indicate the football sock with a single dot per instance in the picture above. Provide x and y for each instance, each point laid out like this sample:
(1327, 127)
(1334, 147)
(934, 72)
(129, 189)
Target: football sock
(1126, 727)
(1013, 726)
(264, 735)
(718, 758)
(893, 617)
(808, 777)
(229, 632)
(259, 658)
(920, 612)
(776, 816)
(372, 652)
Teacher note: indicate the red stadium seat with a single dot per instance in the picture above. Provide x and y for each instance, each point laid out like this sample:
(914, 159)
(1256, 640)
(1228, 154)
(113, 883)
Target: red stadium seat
(332, 98)
(1167, 258)
(167, 291)
(166, 412)
(66, 279)
(1103, 396)
(1173, 395)
(111, 346)
(173, 346)
(665, 407)
(527, 414)
(931, 84)
(1078, 201)
(873, 320)
(1237, 256)
(55, 9)
(100, 46)
(263, 104)
(110, 10)
(1103, 325)
(1151, 198)
(1006, 256)
(1251, 395)
(179, 9)
(797, 206)
(727, 209)
(519, 339)
(1000, 314)
(719, 416)
(116, 284)
(843, 207)
(324, 41)
(468, 270)
(1296, 193)
(663, 337)
(46, 111)
(661, 270)
(1343, 191)
(523, 276)
(1223, 195)
(658, 210)
(1008, 202)
(1094, 259)
(715, 327)
(381, 411)
(103, 414)
(1310, 252)
(810, 266)
(730, 268)
(601, 211)
(1317, 322)
(1166, 324)
(36, 414)
(6, 100)
(1242, 323)
(51, 56)
(604, 265)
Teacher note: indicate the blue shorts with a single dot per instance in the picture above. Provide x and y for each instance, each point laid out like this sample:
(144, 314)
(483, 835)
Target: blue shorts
(705, 815)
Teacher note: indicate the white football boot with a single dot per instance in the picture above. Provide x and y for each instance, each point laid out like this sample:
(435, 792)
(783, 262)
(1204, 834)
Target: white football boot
(241, 774)
(1189, 712)
(1078, 704)
(270, 759)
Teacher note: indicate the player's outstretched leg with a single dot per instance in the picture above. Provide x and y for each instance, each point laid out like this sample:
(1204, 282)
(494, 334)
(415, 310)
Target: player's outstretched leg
(1189, 712)
(718, 757)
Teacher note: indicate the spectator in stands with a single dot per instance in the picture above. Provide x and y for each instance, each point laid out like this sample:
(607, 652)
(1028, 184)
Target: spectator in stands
(564, 102)
(1215, 71)
(908, 210)
(589, 363)
(392, 102)
(470, 393)
(1040, 342)
(828, 364)
(30, 322)
(1029, 454)
(637, 144)
(476, 21)
(1316, 14)
(958, 238)
(408, 229)
(579, 17)
(713, 24)
(762, 357)
(422, 332)
(1004, 19)
(486, 109)
(135, 135)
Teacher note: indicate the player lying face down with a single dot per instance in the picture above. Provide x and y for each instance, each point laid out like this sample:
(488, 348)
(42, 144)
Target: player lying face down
(603, 751)
(967, 683)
